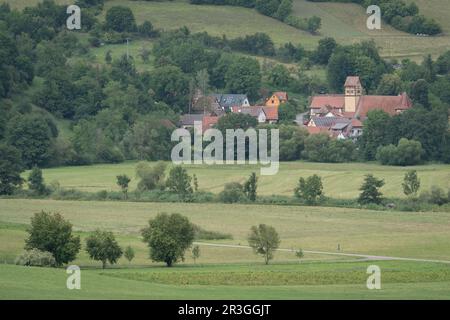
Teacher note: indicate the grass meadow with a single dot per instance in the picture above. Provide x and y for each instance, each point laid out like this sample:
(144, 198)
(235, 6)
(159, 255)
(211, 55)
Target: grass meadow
(345, 22)
(222, 272)
(340, 180)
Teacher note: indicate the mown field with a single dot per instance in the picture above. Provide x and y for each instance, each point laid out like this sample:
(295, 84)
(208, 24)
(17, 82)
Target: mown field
(339, 180)
(222, 272)
(343, 21)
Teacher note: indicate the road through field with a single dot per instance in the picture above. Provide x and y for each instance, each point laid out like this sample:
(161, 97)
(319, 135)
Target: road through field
(356, 255)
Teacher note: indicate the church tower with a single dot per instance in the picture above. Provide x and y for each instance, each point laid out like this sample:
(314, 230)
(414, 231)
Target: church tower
(353, 91)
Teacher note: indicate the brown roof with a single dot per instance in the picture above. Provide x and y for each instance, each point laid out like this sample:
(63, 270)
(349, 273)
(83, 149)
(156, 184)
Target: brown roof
(334, 101)
(389, 104)
(352, 82)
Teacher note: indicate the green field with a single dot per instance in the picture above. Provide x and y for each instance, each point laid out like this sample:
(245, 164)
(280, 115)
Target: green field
(343, 21)
(236, 272)
(339, 180)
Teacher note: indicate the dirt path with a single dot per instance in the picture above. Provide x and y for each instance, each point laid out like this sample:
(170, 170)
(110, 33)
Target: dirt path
(356, 255)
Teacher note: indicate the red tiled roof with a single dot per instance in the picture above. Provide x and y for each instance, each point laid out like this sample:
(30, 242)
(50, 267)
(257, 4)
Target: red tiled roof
(282, 95)
(389, 104)
(208, 122)
(316, 130)
(352, 82)
(356, 123)
(271, 113)
(335, 101)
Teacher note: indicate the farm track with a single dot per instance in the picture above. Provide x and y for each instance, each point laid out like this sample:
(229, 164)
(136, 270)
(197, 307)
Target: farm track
(356, 255)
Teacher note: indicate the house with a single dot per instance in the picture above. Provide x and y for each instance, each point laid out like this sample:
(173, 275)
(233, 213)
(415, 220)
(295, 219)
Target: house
(187, 120)
(262, 113)
(333, 110)
(226, 101)
(276, 99)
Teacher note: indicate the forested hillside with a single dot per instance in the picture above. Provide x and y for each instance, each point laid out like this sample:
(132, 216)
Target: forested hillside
(77, 97)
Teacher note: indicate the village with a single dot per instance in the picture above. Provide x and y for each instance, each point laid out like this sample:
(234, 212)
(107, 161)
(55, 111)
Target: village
(340, 116)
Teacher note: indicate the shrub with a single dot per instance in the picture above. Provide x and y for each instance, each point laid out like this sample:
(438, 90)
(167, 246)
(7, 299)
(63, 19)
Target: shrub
(150, 177)
(406, 153)
(36, 182)
(232, 192)
(129, 253)
(36, 258)
(411, 183)
(202, 234)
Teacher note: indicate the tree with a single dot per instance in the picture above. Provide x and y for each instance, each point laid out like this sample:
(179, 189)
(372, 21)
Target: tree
(171, 86)
(299, 254)
(419, 93)
(151, 177)
(390, 85)
(411, 183)
(244, 76)
(370, 192)
(122, 182)
(406, 153)
(232, 192)
(50, 232)
(168, 237)
(146, 29)
(129, 253)
(250, 187)
(195, 252)
(310, 190)
(264, 240)
(32, 135)
(10, 169)
(314, 24)
(324, 50)
(284, 10)
(179, 182)
(279, 76)
(120, 19)
(102, 246)
(36, 182)
(108, 57)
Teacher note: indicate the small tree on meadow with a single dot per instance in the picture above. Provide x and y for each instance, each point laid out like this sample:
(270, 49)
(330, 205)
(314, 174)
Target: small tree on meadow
(129, 253)
(123, 181)
(250, 187)
(299, 254)
(195, 182)
(411, 183)
(50, 232)
(232, 192)
(168, 237)
(370, 190)
(150, 177)
(310, 189)
(36, 182)
(179, 182)
(264, 240)
(102, 246)
(195, 252)
(108, 57)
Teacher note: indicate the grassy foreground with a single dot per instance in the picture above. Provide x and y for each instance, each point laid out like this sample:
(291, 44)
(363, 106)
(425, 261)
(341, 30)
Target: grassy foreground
(230, 273)
(339, 180)
(309, 281)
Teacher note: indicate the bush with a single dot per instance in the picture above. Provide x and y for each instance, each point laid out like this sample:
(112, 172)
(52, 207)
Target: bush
(151, 177)
(36, 258)
(232, 192)
(406, 153)
(36, 182)
(202, 234)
